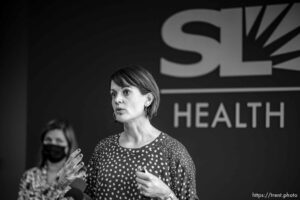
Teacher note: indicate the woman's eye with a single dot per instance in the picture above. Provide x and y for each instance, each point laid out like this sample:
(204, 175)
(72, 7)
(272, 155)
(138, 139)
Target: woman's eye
(112, 94)
(126, 92)
(59, 141)
(47, 140)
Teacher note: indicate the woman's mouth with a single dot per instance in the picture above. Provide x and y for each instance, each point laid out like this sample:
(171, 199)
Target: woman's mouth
(119, 110)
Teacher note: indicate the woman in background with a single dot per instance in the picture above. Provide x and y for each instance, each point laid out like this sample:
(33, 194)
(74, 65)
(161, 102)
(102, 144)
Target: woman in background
(58, 166)
(141, 162)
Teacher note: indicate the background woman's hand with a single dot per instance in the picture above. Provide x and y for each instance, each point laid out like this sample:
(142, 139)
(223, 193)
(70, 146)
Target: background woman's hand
(72, 169)
(151, 186)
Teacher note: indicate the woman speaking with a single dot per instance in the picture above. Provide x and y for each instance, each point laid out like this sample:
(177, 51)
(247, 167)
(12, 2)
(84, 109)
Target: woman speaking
(141, 162)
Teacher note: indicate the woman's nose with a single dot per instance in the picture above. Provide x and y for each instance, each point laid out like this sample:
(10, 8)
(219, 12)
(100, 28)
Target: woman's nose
(118, 98)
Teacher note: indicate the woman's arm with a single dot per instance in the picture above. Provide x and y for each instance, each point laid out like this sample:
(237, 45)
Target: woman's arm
(183, 173)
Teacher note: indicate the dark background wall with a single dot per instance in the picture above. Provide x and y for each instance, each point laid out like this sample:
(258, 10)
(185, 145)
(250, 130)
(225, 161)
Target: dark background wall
(13, 95)
(57, 58)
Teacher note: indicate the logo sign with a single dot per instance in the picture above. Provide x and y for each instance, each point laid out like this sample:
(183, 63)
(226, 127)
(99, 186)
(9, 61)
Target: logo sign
(252, 41)
(273, 32)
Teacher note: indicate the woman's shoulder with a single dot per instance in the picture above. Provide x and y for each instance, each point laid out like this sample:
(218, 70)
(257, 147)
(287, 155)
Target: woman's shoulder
(34, 170)
(31, 172)
(175, 148)
(106, 142)
(172, 143)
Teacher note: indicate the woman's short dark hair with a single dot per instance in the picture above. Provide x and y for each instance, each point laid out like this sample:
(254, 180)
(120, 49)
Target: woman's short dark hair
(142, 79)
(68, 131)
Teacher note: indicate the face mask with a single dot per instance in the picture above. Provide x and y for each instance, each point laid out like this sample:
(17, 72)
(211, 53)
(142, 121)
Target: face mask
(53, 153)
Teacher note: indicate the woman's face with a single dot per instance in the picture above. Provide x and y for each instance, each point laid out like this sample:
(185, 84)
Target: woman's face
(128, 102)
(56, 137)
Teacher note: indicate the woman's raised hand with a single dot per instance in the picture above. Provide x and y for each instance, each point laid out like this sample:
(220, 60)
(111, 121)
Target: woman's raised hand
(71, 169)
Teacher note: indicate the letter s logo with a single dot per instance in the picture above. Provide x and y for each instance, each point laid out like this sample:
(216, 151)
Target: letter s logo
(209, 48)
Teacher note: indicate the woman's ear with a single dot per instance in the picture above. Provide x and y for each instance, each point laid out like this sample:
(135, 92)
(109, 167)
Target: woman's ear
(149, 97)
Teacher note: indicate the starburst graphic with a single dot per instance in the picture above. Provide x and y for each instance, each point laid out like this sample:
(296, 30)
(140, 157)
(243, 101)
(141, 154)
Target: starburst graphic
(271, 32)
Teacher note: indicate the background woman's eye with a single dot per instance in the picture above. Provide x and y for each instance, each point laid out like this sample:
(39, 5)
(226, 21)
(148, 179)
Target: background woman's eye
(112, 94)
(47, 140)
(58, 140)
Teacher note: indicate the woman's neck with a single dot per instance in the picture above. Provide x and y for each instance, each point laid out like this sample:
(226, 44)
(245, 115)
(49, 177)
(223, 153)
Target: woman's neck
(52, 170)
(55, 167)
(138, 133)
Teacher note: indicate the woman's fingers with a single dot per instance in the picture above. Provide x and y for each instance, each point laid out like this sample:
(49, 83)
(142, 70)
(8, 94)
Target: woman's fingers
(73, 164)
(77, 159)
(150, 185)
(142, 175)
(81, 174)
(73, 155)
(78, 172)
(74, 160)
(78, 167)
(143, 190)
(71, 169)
(142, 182)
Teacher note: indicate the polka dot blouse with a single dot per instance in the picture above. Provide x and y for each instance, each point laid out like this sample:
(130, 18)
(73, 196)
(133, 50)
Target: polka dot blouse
(111, 169)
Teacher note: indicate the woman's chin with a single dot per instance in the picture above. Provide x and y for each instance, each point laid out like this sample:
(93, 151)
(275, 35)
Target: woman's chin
(121, 119)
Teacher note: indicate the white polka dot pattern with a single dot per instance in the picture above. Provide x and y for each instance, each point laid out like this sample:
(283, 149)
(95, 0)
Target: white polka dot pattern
(111, 170)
